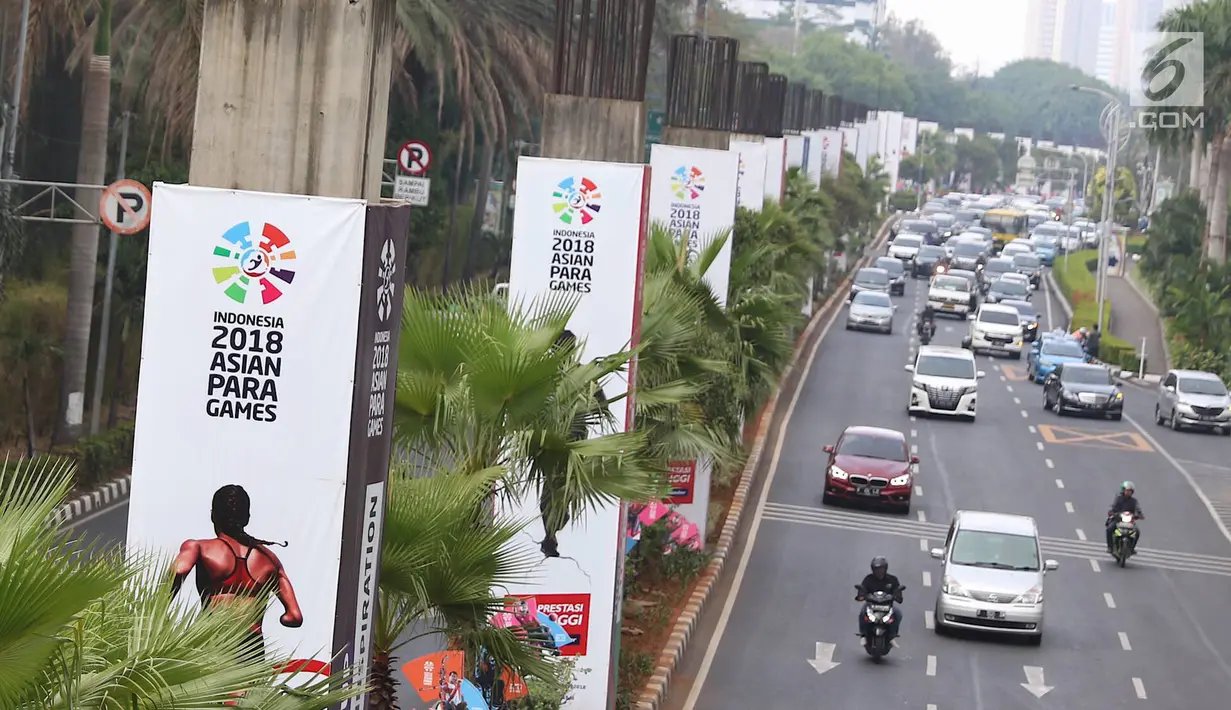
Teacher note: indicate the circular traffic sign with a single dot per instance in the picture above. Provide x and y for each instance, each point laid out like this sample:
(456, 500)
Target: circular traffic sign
(125, 207)
(414, 158)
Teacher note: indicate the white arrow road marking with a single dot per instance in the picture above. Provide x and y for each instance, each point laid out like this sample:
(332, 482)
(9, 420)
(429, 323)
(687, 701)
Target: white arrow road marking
(823, 661)
(1034, 681)
(1140, 688)
(931, 665)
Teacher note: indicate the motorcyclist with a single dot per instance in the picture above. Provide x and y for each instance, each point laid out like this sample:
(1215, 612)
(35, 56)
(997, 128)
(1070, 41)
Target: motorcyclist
(1080, 334)
(927, 320)
(880, 581)
(1125, 502)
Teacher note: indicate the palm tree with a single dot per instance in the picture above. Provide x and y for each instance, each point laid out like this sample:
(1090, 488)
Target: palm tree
(84, 628)
(440, 564)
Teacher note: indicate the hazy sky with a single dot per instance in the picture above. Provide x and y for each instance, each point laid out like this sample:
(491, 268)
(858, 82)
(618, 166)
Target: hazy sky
(987, 33)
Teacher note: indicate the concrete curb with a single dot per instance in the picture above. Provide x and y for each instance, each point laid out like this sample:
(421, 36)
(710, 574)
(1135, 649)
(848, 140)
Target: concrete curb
(1068, 310)
(105, 495)
(677, 643)
(1059, 296)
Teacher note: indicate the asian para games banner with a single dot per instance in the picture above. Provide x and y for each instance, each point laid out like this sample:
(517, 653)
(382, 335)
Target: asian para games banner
(796, 151)
(775, 169)
(692, 194)
(831, 147)
(910, 136)
(582, 228)
(850, 139)
(250, 360)
(753, 163)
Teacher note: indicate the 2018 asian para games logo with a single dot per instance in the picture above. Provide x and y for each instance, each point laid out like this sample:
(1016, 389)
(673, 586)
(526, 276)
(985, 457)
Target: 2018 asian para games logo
(254, 267)
(577, 200)
(687, 183)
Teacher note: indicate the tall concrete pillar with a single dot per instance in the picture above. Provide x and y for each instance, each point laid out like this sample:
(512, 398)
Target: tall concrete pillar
(702, 83)
(293, 96)
(583, 128)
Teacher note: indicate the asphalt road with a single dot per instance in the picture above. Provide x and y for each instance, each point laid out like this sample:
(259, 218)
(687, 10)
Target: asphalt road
(1151, 636)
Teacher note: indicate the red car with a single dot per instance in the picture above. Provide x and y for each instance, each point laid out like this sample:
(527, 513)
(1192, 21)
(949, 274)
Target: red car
(870, 464)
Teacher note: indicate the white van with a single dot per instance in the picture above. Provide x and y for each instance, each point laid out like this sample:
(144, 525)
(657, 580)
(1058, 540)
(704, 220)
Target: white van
(944, 381)
(996, 328)
(951, 294)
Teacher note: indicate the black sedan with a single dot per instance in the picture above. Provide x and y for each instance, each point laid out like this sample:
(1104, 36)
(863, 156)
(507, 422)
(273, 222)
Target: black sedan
(1083, 389)
(930, 259)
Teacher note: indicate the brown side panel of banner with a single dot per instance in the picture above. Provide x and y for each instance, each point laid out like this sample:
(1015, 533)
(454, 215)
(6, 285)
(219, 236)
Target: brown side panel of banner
(371, 436)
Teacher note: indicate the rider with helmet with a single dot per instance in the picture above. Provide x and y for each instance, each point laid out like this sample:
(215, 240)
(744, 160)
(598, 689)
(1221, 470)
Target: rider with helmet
(927, 320)
(1125, 502)
(880, 581)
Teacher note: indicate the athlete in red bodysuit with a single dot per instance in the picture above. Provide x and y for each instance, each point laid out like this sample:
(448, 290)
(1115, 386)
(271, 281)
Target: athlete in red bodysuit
(235, 567)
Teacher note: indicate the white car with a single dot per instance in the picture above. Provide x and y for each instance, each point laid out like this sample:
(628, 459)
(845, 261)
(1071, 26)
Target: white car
(950, 294)
(944, 381)
(996, 328)
(905, 246)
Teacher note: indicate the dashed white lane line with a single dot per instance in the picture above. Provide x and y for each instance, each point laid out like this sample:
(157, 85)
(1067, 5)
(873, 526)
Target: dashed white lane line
(913, 418)
(931, 706)
(931, 665)
(1124, 644)
(1081, 534)
(929, 619)
(1032, 429)
(914, 433)
(1140, 688)
(914, 449)
(1050, 463)
(1059, 483)
(923, 518)
(1111, 603)
(927, 578)
(1009, 387)
(1095, 566)
(1039, 445)
(1017, 400)
(918, 490)
(1068, 506)
(923, 544)
(1002, 378)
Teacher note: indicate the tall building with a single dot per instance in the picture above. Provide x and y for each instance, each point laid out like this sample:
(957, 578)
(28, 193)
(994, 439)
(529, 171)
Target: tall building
(1041, 21)
(1105, 61)
(857, 18)
(1077, 33)
(1132, 16)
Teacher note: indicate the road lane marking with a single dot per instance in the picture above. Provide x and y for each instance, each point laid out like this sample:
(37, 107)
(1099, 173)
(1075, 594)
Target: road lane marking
(931, 665)
(1017, 400)
(914, 449)
(1039, 445)
(1095, 438)
(1024, 414)
(1111, 603)
(1050, 464)
(1009, 387)
(931, 706)
(1032, 429)
(1081, 534)
(1002, 378)
(1094, 565)
(1140, 688)
(929, 619)
(1059, 483)
(918, 490)
(923, 518)
(927, 578)
(1014, 372)
(912, 417)
(914, 433)
(1068, 506)
(923, 544)
(1124, 644)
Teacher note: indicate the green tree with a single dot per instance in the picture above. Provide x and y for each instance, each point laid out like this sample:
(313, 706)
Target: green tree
(979, 158)
(1125, 193)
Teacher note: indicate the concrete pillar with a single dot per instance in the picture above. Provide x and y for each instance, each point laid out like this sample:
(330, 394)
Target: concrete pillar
(697, 138)
(581, 128)
(293, 96)
(748, 137)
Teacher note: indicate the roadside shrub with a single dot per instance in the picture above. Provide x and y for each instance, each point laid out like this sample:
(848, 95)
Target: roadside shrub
(104, 457)
(905, 200)
(31, 325)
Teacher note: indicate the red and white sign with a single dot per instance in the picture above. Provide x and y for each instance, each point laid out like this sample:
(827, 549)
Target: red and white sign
(125, 207)
(682, 479)
(414, 158)
(572, 613)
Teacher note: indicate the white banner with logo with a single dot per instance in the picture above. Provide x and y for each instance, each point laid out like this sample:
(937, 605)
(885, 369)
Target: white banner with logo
(580, 227)
(796, 151)
(868, 136)
(830, 144)
(692, 193)
(910, 136)
(244, 408)
(775, 168)
(753, 162)
(850, 139)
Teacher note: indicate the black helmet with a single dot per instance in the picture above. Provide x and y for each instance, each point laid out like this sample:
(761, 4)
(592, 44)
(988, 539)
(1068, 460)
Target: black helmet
(880, 562)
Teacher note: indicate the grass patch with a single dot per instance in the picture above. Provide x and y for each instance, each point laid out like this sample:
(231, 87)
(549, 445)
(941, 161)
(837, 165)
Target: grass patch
(1079, 285)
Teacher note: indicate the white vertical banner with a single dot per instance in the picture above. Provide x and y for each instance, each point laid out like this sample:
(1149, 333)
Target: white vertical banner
(692, 193)
(796, 151)
(910, 136)
(775, 168)
(245, 402)
(807, 308)
(868, 136)
(850, 139)
(581, 227)
(812, 167)
(929, 127)
(753, 164)
(893, 134)
(830, 146)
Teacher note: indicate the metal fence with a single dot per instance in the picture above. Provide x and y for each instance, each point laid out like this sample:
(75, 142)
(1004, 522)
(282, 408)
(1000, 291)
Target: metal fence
(702, 74)
(793, 117)
(775, 104)
(814, 110)
(751, 109)
(602, 48)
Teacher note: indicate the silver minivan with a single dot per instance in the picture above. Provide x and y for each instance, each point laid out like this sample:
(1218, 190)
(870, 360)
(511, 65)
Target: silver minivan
(992, 575)
(1193, 399)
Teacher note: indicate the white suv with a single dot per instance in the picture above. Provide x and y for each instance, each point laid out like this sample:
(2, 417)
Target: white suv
(944, 381)
(996, 328)
(950, 294)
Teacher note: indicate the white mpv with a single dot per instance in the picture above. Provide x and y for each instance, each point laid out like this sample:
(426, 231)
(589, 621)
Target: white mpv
(996, 328)
(944, 381)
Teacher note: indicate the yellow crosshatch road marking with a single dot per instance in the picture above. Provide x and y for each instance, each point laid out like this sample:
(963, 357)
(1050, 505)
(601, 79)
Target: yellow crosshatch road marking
(1115, 440)
(1014, 373)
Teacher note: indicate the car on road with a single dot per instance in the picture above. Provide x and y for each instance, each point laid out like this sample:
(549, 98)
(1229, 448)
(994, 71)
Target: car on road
(973, 279)
(1193, 399)
(992, 575)
(1029, 316)
(1050, 354)
(951, 294)
(905, 246)
(930, 260)
(870, 279)
(1015, 247)
(870, 465)
(995, 328)
(871, 310)
(944, 381)
(1046, 247)
(1030, 266)
(1006, 289)
(994, 269)
(967, 254)
(944, 222)
(1083, 388)
(897, 274)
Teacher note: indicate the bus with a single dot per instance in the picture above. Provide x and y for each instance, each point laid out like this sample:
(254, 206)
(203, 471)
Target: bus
(1006, 224)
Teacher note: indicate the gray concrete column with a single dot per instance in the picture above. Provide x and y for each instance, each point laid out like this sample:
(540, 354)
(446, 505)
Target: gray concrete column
(697, 138)
(748, 137)
(581, 128)
(293, 96)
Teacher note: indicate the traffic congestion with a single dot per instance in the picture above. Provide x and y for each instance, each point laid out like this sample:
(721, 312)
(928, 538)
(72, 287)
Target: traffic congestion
(986, 503)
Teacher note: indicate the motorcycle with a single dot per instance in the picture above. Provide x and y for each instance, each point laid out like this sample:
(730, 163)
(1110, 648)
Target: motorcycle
(878, 611)
(1124, 538)
(927, 331)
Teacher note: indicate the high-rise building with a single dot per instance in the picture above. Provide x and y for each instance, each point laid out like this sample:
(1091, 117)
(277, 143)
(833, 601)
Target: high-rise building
(1105, 60)
(1132, 16)
(1077, 33)
(857, 18)
(1041, 21)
